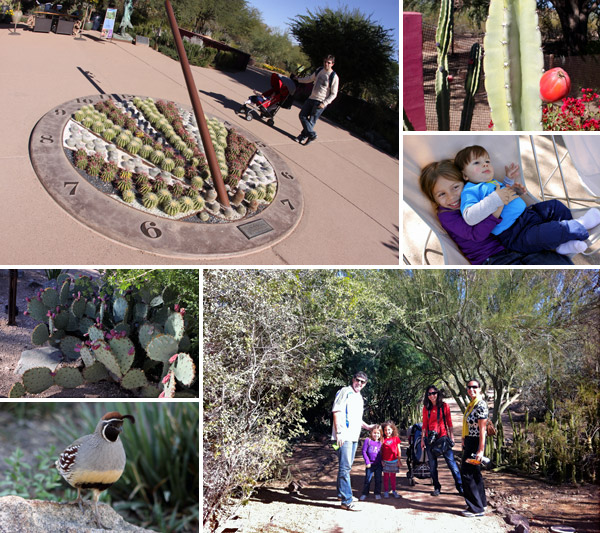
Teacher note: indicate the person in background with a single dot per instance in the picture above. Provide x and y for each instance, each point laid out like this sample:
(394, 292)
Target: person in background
(325, 89)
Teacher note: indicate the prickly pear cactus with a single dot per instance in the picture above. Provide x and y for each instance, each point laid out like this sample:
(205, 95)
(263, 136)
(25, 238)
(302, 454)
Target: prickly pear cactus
(134, 379)
(184, 369)
(68, 377)
(513, 64)
(17, 390)
(95, 372)
(40, 334)
(67, 347)
(162, 348)
(36, 380)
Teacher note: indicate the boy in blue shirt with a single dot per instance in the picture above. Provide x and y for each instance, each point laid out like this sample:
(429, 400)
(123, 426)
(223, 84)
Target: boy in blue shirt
(543, 226)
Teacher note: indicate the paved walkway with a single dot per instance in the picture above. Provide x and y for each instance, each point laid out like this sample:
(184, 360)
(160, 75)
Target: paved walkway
(350, 188)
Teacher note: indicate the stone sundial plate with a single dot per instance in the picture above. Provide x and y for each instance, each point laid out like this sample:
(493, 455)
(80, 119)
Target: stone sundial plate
(149, 231)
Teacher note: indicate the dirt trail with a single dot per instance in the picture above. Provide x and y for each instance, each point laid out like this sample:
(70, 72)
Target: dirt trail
(314, 507)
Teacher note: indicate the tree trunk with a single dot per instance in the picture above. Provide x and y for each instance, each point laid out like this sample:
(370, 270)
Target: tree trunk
(573, 15)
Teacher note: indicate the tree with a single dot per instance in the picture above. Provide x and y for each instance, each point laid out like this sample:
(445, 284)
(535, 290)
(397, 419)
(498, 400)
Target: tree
(489, 324)
(364, 50)
(574, 16)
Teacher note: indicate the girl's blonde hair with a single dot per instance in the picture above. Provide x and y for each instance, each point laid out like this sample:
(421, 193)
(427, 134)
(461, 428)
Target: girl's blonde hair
(377, 427)
(393, 426)
(438, 169)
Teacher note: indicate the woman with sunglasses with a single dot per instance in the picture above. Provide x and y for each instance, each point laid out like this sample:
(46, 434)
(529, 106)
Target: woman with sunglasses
(474, 431)
(437, 418)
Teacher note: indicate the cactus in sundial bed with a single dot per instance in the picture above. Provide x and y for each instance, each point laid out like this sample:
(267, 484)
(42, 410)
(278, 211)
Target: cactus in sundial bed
(118, 337)
(513, 64)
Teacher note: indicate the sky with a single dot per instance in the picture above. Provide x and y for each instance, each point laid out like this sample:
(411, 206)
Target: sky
(275, 13)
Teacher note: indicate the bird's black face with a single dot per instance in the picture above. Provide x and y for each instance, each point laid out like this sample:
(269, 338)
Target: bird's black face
(111, 430)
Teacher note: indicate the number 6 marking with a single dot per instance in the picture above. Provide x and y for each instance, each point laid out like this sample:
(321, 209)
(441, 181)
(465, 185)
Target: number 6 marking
(150, 230)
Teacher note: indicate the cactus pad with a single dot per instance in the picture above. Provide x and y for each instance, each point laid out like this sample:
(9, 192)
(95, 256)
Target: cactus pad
(87, 356)
(37, 380)
(17, 390)
(96, 372)
(50, 298)
(65, 291)
(174, 326)
(120, 307)
(95, 333)
(67, 347)
(134, 379)
(140, 312)
(147, 332)
(61, 320)
(162, 347)
(104, 354)
(90, 309)
(184, 369)
(150, 391)
(68, 377)
(169, 387)
(40, 334)
(37, 309)
(85, 324)
(122, 348)
(78, 307)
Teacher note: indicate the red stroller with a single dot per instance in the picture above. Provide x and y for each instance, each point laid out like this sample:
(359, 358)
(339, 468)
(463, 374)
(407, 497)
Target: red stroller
(266, 105)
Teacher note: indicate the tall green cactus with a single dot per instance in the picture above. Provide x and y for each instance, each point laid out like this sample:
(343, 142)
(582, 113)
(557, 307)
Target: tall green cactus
(471, 86)
(443, 38)
(513, 65)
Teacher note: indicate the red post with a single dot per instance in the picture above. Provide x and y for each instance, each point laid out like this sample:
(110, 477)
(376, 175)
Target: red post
(211, 157)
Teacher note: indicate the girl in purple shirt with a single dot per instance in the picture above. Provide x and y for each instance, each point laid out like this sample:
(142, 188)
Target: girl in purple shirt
(371, 451)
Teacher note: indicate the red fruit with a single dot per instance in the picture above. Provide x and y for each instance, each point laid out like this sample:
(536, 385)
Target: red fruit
(450, 77)
(554, 85)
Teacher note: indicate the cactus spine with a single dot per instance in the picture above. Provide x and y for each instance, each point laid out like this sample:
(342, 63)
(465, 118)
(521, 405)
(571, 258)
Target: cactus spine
(443, 37)
(513, 64)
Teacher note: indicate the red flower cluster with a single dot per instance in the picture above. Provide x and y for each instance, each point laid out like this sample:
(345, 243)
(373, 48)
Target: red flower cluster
(575, 114)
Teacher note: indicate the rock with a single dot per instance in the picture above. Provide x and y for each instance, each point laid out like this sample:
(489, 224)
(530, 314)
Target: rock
(519, 521)
(19, 515)
(36, 357)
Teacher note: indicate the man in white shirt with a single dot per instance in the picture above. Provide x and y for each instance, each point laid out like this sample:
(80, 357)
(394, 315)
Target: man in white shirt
(347, 422)
(325, 89)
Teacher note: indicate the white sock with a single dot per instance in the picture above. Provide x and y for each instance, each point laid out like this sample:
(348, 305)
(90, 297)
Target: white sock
(590, 219)
(571, 247)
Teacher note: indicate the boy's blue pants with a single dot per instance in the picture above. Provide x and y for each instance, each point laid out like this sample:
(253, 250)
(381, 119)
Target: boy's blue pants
(540, 227)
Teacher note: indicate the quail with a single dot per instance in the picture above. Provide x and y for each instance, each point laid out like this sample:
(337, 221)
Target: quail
(95, 461)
